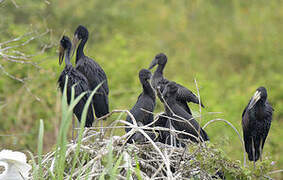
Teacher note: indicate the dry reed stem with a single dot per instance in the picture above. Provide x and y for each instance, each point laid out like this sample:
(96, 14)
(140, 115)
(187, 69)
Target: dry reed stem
(233, 127)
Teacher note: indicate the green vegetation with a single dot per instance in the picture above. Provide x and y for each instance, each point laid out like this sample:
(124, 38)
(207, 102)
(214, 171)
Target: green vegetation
(229, 47)
(96, 156)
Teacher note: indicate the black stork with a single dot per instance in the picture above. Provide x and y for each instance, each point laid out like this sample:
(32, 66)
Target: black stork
(146, 101)
(92, 71)
(76, 79)
(180, 119)
(256, 122)
(158, 82)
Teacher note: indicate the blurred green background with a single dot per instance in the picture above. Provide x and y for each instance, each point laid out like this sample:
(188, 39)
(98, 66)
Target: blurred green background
(230, 48)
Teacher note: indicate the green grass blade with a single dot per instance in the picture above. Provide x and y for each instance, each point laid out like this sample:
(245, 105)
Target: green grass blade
(34, 166)
(75, 102)
(67, 112)
(82, 125)
(129, 173)
(40, 147)
(116, 168)
(137, 168)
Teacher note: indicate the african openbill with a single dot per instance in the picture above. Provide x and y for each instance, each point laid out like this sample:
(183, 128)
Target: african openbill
(180, 119)
(76, 79)
(158, 82)
(161, 121)
(146, 101)
(256, 121)
(92, 71)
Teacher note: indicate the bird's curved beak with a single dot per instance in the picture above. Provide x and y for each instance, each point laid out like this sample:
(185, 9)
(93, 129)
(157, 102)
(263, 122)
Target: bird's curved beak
(254, 99)
(61, 54)
(153, 63)
(75, 42)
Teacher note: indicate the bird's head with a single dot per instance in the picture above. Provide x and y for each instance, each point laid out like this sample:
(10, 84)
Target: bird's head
(160, 59)
(80, 33)
(144, 74)
(259, 96)
(170, 90)
(65, 44)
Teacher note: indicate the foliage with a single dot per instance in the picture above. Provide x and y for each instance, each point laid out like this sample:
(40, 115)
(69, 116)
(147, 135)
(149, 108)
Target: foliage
(94, 156)
(230, 47)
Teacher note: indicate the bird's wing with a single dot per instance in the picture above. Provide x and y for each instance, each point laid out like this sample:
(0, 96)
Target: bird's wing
(148, 105)
(185, 94)
(245, 119)
(100, 100)
(190, 126)
(267, 120)
(269, 110)
(101, 75)
(161, 122)
(81, 85)
(94, 73)
(244, 111)
(246, 132)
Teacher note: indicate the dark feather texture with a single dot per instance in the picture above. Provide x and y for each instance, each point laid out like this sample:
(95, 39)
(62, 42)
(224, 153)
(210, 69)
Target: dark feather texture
(180, 119)
(158, 82)
(146, 100)
(162, 122)
(81, 85)
(94, 74)
(256, 122)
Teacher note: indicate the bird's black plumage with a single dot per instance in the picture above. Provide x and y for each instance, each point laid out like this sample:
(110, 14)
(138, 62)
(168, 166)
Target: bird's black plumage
(93, 72)
(180, 119)
(146, 101)
(158, 82)
(74, 78)
(256, 122)
(162, 122)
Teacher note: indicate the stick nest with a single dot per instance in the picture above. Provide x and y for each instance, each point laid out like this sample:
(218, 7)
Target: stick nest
(110, 157)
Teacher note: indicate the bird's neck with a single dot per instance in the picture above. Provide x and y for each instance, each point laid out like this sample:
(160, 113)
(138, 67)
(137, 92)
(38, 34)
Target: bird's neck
(159, 70)
(80, 50)
(147, 89)
(67, 57)
(260, 110)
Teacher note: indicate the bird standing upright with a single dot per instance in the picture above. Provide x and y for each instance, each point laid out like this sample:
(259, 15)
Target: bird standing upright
(93, 73)
(146, 101)
(76, 79)
(158, 82)
(256, 122)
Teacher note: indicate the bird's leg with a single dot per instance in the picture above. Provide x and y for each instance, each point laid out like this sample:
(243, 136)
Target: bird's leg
(172, 142)
(260, 153)
(260, 150)
(253, 151)
(101, 128)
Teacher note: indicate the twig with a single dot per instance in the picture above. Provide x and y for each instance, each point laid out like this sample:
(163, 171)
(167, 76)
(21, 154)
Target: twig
(276, 171)
(11, 54)
(231, 125)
